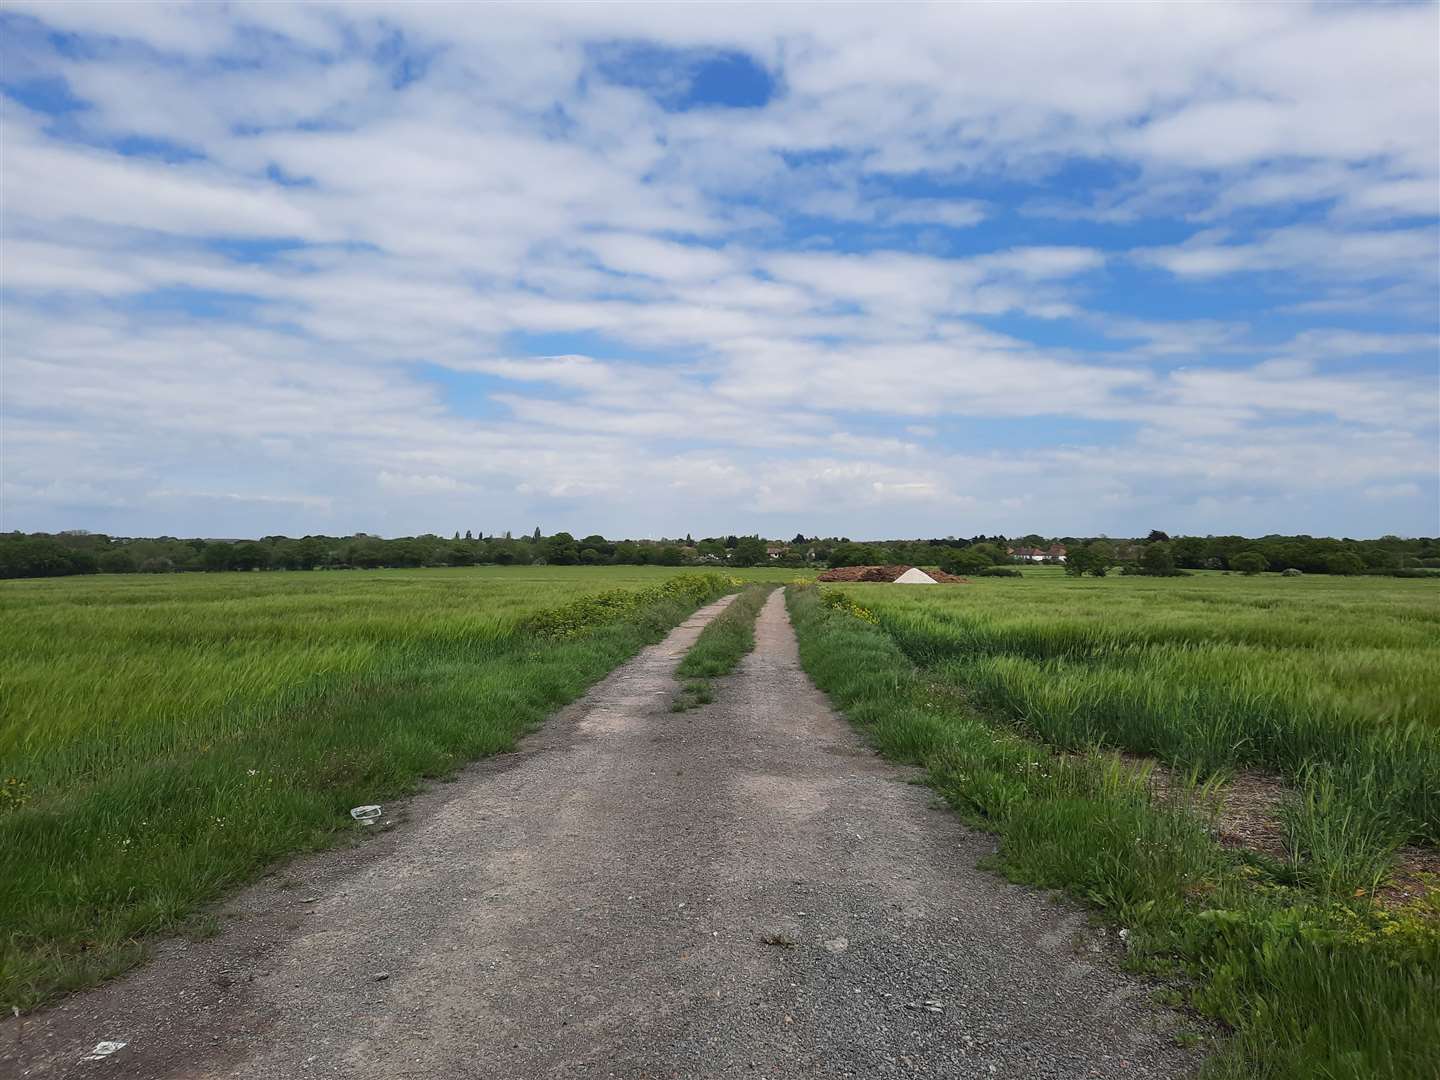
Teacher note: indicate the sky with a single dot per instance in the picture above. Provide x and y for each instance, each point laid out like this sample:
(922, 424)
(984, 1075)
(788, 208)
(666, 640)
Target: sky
(875, 271)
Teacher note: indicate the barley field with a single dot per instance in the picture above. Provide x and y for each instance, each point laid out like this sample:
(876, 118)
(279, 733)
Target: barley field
(1045, 709)
(164, 737)
(1335, 680)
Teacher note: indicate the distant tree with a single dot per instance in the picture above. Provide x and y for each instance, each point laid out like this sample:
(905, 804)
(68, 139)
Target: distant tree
(407, 552)
(118, 560)
(468, 536)
(561, 550)
(308, 553)
(599, 543)
(848, 554)
(963, 561)
(1250, 563)
(1157, 559)
(995, 553)
(670, 555)
(248, 556)
(1157, 537)
(749, 551)
(1189, 551)
(1094, 558)
(799, 538)
(216, 556)
(1345, 563)
(535, 536)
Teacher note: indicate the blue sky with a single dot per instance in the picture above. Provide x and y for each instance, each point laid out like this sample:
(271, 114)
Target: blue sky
(1068, 269)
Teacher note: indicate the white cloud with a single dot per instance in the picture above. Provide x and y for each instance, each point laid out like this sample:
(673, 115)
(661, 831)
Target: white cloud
(788, 295)
(1307, 250)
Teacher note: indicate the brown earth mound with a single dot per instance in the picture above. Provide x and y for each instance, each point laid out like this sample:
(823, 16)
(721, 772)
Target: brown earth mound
(884, 573)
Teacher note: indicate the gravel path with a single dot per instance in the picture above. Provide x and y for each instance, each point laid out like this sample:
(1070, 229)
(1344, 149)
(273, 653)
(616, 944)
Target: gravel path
(598, 904)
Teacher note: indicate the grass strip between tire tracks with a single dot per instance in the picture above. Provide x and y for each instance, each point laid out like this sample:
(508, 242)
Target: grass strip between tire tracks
(724, 642)
(1311, 986)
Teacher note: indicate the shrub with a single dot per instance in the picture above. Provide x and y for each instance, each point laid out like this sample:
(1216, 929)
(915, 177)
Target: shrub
(964, 561)
(1249, 562)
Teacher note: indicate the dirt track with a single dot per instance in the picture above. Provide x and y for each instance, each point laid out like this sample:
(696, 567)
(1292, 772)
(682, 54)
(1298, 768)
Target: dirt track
(598, 903)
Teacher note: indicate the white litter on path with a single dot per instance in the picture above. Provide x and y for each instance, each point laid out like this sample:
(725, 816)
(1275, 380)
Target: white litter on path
(366, 815)
(915, 576)
(103, 1050)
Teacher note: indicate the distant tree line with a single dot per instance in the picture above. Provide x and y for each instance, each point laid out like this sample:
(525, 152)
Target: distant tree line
(25, 555)
(78, 552)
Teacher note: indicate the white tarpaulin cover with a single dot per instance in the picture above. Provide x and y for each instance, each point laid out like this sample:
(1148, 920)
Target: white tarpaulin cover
(915, 576)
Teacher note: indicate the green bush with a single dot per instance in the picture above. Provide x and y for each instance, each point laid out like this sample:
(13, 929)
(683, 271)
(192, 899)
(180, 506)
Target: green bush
(1250, 562)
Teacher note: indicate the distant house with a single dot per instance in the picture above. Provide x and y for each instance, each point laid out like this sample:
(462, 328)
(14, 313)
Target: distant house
(1054, 553)
(775, 550)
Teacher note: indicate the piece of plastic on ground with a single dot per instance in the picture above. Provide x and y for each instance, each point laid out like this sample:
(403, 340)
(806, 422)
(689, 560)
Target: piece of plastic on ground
(366, 815)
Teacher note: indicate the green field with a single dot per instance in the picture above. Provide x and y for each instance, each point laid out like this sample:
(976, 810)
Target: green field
(165, 737)
(1014, 695)
(1301, 676)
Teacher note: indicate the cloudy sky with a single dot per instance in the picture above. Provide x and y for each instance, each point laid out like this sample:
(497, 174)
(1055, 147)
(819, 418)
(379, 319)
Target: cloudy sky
(878, 271)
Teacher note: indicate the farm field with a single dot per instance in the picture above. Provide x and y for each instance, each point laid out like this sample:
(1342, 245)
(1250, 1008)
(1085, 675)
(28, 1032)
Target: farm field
(165, 737)
(1027, 701)
(1331, 679)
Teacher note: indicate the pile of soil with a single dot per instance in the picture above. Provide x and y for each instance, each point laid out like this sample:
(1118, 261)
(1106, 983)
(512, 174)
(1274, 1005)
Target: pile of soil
(884, 573)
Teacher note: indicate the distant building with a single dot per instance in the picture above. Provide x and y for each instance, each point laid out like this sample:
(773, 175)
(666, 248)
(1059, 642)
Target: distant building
(1054, 553)
(775, 550)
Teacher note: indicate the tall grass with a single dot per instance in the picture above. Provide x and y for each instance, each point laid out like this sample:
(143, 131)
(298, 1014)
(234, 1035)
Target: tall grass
(1209, 672)
(1314, 985)
(172, 737)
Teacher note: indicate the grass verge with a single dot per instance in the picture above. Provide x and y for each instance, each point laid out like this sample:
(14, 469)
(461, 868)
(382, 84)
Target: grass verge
(1311, 984)
(719, 648)
(112, 847)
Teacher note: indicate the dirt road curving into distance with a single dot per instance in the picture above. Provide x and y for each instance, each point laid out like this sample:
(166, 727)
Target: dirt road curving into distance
(599, 904)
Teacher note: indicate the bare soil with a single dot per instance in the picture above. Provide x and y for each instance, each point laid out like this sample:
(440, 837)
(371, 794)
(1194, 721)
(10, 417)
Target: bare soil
(740, 890)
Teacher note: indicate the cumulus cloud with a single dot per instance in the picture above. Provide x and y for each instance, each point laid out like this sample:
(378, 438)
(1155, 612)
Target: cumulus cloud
(289, 267)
